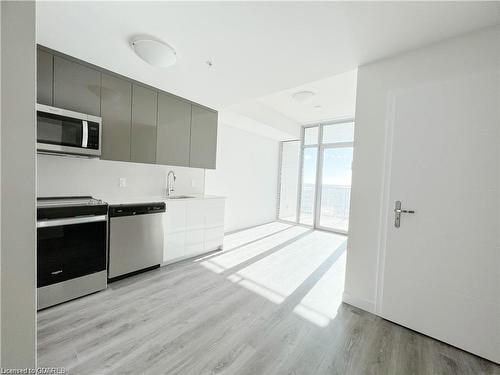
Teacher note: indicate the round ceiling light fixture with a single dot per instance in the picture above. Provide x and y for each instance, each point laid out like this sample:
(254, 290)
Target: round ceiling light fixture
(303, 96)
(154, 52)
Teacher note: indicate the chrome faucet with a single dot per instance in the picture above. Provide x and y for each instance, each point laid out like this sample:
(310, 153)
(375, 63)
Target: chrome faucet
(170, 185)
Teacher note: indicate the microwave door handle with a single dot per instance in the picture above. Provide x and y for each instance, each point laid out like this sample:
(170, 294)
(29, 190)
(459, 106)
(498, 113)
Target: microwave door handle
(85, 133)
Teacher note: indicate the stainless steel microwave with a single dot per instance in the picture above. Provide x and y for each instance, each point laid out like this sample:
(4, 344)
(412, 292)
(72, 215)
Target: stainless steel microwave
(60, 131)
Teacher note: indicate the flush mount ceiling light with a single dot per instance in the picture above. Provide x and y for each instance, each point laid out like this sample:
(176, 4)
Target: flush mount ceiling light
(154, 52)
(303, 96)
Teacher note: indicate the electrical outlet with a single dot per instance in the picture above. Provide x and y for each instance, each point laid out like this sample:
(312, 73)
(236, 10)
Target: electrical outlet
(123, 182)
(193, 183)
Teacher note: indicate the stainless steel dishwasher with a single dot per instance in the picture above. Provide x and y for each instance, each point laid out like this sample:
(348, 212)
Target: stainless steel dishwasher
(135, 238)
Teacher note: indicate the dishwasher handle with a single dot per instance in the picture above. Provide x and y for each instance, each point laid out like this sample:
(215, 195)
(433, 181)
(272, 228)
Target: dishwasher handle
(136, 209)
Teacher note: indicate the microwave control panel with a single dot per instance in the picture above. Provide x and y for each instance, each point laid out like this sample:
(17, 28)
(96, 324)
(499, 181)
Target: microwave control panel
(93, 136)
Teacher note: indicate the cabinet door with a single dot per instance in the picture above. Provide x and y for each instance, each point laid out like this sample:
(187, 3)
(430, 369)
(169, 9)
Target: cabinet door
(214, 212)
(116, 106)
(144, 110)
(195, 226)
(175, 231)
(44, 77)
(173, 135)
(214, 239)
(203, 147)
(214, 224)
(76, 87)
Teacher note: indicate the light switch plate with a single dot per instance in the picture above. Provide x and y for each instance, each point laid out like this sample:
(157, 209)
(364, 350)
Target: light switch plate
(123, 182)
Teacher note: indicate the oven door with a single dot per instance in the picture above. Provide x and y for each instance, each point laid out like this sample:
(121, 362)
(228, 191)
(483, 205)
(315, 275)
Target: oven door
(61, 131)
(70, 248)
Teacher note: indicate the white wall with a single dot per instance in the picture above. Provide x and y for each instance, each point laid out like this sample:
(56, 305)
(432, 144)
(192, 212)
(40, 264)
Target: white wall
(247, 168)
(426, 67)
(18, 293)
(247, 172)
(289, 180)
(0, 189)
(62, 175)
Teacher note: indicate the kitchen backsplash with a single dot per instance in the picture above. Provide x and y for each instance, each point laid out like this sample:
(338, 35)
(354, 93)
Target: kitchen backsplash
(62, 175)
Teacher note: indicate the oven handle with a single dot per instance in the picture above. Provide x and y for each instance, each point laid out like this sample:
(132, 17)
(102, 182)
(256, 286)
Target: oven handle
(70, 221)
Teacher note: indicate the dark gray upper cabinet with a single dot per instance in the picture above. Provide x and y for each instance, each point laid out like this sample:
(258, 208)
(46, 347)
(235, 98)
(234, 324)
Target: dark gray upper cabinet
(143, 141)
(139, 123)
(173, 136)
(76, 87)
(44, 77)
(203, 147)
(116, 108)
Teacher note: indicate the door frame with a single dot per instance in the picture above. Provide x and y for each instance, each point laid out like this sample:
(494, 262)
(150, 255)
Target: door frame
(386, 207)
(301, 171)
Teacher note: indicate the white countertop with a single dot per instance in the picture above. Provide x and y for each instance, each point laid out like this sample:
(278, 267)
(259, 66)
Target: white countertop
(151, 199)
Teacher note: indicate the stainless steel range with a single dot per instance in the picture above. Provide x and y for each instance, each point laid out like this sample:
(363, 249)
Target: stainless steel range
(72, 248)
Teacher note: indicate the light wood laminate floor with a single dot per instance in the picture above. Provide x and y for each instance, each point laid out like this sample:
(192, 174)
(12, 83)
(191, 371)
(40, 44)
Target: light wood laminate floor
(270, 303)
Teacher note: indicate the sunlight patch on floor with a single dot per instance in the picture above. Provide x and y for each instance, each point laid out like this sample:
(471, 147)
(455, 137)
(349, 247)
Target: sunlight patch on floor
(262, 291)
(320, 305)
(274, 261)
(221, 262)
(285, 270)
(212, 266)
(256, 288)
(236, 239)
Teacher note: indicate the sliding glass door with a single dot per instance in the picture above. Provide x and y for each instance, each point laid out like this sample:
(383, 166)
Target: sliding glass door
(308, 188)
(315, 177)
(335, 176)
(335, 188)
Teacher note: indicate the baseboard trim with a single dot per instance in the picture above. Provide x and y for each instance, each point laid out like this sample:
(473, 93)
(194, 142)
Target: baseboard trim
(360, 303)
(192, 256)
(232, 231)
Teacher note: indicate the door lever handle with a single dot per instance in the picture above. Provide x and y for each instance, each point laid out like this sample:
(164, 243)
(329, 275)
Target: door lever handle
(405, 211)
(397, 213)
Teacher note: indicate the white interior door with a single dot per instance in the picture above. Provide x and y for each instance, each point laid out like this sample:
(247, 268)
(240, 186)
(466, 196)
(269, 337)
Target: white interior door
(441, 268)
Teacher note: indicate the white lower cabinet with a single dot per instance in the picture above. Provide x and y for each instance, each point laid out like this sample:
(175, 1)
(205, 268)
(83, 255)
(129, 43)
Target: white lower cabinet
(214, 224)
(174, 243)
(214, 212)
(195, 226)
(192, 226)
(213, 238)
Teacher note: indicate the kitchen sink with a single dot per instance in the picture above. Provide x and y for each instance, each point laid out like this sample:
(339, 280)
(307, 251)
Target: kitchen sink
(180, 197)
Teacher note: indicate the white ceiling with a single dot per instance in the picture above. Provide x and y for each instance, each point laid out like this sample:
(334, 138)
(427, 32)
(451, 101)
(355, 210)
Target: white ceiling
(334, 98)
(257, 48)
